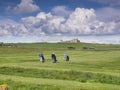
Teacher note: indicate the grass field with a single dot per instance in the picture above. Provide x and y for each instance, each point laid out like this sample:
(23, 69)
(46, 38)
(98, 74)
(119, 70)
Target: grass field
(88, 69)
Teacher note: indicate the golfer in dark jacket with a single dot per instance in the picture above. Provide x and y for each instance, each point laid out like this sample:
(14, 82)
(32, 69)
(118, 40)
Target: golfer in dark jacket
(67, 59)
(53, 58)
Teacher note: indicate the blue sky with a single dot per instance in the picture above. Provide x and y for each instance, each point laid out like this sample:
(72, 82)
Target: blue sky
(95, 21)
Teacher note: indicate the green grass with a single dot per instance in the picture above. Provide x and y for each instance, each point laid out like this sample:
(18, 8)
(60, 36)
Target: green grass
(64, 75)
(97, 69)
(17, 82)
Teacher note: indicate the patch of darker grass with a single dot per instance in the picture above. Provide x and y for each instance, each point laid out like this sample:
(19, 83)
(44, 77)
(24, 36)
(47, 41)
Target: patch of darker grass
(64, 75)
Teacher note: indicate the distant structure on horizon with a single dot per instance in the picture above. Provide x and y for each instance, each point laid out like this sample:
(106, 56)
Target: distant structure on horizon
(71, 41)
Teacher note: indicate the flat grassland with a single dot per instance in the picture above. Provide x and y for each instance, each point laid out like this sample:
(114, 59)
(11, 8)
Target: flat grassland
(91, 66)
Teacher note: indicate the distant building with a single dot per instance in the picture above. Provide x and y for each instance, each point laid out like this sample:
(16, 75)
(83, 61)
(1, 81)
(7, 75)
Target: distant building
(75, 41)
(71, 41)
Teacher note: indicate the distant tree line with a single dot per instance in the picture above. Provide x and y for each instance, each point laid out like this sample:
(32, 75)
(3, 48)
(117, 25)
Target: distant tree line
(7, 44)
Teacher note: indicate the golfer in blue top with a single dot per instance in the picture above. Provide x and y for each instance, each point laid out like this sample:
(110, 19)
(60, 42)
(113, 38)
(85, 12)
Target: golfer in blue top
(41, 57)
(66, 57)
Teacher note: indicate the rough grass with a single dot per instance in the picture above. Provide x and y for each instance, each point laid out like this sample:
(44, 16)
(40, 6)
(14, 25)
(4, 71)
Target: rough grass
(63, 75)
(26, 83)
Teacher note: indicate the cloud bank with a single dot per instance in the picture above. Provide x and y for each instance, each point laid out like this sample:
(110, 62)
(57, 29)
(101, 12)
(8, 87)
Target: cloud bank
(81, 21)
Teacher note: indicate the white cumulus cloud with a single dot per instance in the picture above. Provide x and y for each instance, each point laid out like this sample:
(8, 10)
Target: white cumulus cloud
(61, 11)
(44, 23)
(11, 28)
(25, 6)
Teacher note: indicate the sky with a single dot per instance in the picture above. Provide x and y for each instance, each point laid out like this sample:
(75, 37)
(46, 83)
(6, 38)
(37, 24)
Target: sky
(91, 21)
